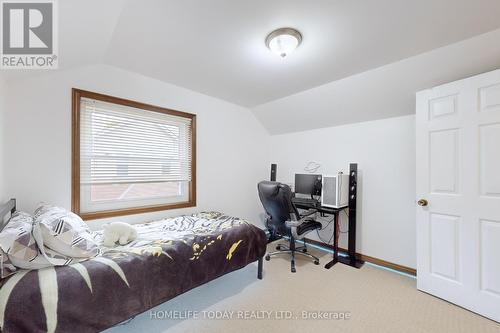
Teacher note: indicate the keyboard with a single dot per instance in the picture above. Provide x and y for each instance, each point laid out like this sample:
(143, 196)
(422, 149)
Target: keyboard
(305, 201)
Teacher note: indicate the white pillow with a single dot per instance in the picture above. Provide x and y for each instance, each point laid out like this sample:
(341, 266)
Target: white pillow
(65, 232)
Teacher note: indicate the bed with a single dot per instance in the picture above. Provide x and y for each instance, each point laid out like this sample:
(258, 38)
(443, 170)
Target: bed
(169, 257)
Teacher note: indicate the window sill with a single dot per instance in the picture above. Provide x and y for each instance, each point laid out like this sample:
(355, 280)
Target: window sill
(137, 210)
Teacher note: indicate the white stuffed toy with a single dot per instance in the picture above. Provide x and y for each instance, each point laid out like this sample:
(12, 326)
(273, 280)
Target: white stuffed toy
(120, 232)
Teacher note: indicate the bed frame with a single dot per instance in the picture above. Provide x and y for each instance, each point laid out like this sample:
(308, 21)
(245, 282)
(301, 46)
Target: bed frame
(7, 208)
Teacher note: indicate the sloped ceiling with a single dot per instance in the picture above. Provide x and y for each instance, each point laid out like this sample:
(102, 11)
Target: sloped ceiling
(387, 91)
(217, 48)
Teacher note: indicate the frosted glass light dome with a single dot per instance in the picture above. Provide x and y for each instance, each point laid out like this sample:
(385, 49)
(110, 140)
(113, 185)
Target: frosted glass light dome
(283, 41)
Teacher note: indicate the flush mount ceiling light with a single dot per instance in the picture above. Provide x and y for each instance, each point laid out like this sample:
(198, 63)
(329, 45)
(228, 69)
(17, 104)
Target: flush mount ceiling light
(283, 41)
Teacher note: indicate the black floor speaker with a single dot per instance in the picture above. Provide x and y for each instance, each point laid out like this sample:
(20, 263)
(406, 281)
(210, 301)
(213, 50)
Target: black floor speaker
(274, 169)
(353, 198)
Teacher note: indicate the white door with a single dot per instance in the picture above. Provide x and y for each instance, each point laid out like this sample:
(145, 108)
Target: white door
(458, 173)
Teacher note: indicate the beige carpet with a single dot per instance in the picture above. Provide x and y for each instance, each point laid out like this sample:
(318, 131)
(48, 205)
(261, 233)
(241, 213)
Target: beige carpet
(376, 300)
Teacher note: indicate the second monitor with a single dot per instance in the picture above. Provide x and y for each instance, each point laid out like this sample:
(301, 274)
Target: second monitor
(309, 184)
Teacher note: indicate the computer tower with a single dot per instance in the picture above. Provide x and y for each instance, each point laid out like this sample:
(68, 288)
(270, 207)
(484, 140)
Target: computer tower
(335, 190)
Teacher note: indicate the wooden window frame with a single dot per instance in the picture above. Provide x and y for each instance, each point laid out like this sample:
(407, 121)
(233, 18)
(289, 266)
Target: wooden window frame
(77, 95)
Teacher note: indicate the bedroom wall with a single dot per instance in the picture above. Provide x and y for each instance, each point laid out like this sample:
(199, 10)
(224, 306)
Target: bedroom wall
(385, 152)
(231, 143)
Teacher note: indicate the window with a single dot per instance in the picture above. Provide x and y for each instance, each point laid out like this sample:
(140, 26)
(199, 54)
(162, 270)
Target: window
(130, 157)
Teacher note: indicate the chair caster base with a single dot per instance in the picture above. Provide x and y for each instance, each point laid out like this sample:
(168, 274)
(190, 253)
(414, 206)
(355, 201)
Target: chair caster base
(294, 270)
(316, 262)
(304, 250)
(268, 258)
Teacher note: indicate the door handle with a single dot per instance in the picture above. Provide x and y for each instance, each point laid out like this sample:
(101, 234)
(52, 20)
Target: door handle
(422, 202)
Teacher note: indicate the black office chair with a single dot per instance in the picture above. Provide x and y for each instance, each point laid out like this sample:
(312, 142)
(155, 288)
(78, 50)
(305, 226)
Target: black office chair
(284, 219)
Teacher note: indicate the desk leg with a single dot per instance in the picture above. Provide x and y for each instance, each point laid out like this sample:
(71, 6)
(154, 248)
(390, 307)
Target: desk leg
(259, 268)
(335, 241)
(336, 238)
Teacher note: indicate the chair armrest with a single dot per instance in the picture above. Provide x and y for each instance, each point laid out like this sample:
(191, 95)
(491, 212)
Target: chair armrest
(294, 224)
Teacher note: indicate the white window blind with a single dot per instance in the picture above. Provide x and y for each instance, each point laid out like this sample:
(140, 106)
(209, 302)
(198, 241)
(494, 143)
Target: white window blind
(132, 157)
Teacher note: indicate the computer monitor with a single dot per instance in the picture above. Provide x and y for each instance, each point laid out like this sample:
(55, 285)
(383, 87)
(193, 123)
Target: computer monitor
(308, 184)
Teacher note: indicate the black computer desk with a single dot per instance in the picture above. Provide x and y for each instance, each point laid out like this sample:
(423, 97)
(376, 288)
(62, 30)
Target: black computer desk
(351, 258)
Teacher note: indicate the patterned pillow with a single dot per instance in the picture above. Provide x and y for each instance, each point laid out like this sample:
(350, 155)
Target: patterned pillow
(65, 232)
(17, 243)
(22, 246)
(41, 260)
(19, 247)
(6, 267)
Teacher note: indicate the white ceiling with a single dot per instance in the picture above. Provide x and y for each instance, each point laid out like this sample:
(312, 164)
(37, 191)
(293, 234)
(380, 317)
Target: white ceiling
(217, 47)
